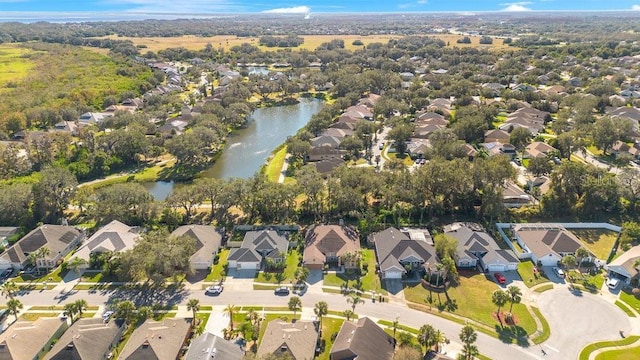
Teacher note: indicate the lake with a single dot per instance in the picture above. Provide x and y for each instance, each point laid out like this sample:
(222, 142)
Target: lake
(247, 149)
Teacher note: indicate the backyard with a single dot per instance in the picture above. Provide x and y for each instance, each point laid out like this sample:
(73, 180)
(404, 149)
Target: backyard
(369, 281)
(598, 241)
(472, 299)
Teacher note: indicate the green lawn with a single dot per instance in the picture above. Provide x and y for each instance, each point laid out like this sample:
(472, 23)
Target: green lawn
(630, 300)
(29, 316)
(593, 283)
(330, 326)
(274, 167)
(584, 354)
(216, 271)
(598, 241)
(96, 277)
(544, 288)
(525, 270)
(472, 299)
(288, 274)
(625, 308)
(546, 330)
(370, 280)
(55, 276)
(622, 354)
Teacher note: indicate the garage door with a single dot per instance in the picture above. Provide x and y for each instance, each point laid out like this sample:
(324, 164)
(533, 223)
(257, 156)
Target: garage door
(392, 274)
(247, 266)
(497, 267)
(512, 266)
(549, 261)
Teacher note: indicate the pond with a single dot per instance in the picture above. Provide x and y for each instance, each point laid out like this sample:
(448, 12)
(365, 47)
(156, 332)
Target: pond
(247, 149)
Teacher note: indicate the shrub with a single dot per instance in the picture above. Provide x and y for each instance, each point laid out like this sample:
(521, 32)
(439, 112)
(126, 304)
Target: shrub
(636, 292)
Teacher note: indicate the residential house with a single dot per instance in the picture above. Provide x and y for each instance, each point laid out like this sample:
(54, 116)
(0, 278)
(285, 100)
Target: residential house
(430, 117)
(493, 89)
(513, 196)
(113, 237)
(173, 127)
(418, 148)
(256, 246)
(424, 131)
(625, 112)
(298, 340)
(369, 101)
(27, 340)
(70, 127)
(324, 152)
(211, 347)
(88, 339)
(497, 148)
(538, 149)
(58, 239)
(339, 133)
(497, 135)
(397, 252)
(331, 141)
(364, 340)
(93, 117)
(325, 167)
(208, 241)
(161, 340)
(528, 118)
(477, 248)
(328, 244)
(625, 266)
(547, 243)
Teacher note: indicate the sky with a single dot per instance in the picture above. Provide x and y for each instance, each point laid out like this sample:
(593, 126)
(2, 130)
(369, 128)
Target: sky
(308, 6)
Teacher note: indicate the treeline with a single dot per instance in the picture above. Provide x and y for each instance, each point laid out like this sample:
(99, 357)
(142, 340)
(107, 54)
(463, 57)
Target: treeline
(279, 41)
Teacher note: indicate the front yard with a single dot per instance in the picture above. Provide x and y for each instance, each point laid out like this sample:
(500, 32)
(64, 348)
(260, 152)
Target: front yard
(598, 241)
(529, 277)
(216, 271)
(287, 275)
(369, 281)
(472, 299)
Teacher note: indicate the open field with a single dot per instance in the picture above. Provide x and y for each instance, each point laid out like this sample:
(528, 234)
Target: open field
(311, 42)
(13, 64)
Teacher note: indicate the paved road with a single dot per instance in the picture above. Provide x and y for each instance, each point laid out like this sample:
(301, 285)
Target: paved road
(577, 319)
(488, 346)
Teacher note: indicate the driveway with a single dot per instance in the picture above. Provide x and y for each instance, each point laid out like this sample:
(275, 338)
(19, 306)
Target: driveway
(577, 319)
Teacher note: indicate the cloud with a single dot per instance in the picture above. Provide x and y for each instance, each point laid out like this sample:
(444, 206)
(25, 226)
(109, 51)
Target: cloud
(422, 2)
(290, 10)
(635, 8)
(516, 7)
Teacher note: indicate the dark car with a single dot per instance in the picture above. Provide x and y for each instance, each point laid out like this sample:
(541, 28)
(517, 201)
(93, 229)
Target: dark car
(5, 274)
(281, 291)
(500, 278)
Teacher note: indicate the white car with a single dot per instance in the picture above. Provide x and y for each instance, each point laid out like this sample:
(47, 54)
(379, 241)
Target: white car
(214, 290)
(612, 283)
(558, 272)
(107, 315)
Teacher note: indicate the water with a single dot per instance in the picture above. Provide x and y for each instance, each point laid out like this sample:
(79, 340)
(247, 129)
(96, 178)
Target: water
(247, 149)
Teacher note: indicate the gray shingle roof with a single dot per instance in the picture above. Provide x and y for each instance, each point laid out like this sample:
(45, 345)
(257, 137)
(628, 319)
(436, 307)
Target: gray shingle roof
(211, 347)
(87, 339)
(392, 246)
(208, 240)
(297, 339)
(155, 340)
(364, 340)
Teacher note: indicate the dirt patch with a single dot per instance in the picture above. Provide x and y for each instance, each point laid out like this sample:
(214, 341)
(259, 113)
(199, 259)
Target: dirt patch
(506, 318)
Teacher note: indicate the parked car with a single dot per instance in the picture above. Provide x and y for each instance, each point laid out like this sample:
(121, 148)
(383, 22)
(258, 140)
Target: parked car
(214, 290)
(283, 290)
(107, 315)
(500, 278)
(612, 283)
(381, 146)
(558, 272)
(6, 274)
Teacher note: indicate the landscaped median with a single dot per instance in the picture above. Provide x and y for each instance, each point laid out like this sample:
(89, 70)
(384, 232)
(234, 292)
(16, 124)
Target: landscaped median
(633, 352)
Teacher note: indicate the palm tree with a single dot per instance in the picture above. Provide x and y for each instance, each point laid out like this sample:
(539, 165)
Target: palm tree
(348, 314)
(193, 305)
(9, 289)
(569, 261)
(499, 298)
(253, 316)
(395, 327)
(75, 264)
(301, 274)
(43, 252)
(438, 338)
(405, 338)
(426, 336)
(468, 336)
(144, 312)
(295, 305)
(70, 310)
(230, 310)
(14, 306)
(581, 254)
(515, 295)
(354, 300)
(321, 309)
(125, 310)
(81, 306)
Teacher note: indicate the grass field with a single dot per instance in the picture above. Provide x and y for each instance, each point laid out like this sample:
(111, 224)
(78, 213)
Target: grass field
(311, 42)
(216, 271)
(625, 308)
(289, 271)
(598, 241)
(13, 64)
(525, 270)
(621, 354)
(630, 300)
(370, 281)
(274, 167)
(330, 326)
(472, 299)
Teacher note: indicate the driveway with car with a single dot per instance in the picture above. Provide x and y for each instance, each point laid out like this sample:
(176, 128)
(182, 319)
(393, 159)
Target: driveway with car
(578, 318)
